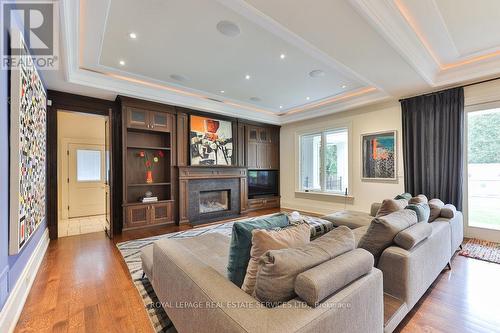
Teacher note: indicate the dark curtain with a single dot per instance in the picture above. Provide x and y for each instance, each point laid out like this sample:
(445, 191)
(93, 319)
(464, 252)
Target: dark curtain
(433, 141)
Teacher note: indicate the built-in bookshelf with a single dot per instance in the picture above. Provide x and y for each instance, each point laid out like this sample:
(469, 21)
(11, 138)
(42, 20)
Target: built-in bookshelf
(151, 133)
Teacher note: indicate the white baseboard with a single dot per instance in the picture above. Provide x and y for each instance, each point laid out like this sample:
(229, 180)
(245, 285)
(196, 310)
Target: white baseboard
(17, 297)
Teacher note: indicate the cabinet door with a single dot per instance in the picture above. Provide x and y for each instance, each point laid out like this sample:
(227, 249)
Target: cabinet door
(161, 213)
(137, 118)
(252, 148)
(262, 158)
(160, 121)
(253, 134)
(264, 135)
(273, 155)
(137, 216)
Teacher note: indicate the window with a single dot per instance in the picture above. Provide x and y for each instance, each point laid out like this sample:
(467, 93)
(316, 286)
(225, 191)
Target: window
(88, 165)
(324, 161)
(483, 157)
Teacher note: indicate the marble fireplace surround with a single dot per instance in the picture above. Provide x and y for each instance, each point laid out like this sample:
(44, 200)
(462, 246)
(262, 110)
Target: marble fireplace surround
(193, 180)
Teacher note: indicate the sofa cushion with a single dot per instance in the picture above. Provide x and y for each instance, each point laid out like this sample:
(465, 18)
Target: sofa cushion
(390, 206)
(374, 208)
(422, 209)
(210, 248)
(418, 199)
(412, 236)
(241, 242)
(382, 230)
(317, 283)
(405, 195)
(349, 218)
(435, 205)
(448, 211)
(279, 268)
(265, 240)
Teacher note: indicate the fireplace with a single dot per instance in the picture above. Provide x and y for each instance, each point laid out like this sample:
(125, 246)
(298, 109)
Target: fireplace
(214, 201)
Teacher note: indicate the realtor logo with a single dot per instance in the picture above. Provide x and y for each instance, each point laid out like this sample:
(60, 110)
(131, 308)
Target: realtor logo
(38, 23)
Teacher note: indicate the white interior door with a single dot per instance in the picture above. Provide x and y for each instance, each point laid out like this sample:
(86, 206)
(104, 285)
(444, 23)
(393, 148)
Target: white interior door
(86, 180)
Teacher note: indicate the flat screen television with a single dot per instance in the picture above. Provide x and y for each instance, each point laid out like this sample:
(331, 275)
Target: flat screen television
(262, 183)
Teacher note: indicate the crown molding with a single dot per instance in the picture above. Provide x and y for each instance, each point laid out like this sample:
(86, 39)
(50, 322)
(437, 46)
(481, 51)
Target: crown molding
(387, 20)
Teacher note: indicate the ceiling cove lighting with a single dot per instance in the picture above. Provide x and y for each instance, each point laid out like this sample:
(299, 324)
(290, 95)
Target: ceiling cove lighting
(247, 77)
(132, 35)
(122, 62)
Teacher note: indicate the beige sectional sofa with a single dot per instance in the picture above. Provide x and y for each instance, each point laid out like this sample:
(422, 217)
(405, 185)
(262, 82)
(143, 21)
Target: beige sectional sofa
(189, 278)
(409, 273)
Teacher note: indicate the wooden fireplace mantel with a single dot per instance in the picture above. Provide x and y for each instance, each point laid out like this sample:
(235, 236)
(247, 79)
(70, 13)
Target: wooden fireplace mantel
(188, 173)
(197, 172)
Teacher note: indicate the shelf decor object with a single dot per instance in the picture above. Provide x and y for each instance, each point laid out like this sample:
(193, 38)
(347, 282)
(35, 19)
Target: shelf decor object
(149, 162)
(211, 141)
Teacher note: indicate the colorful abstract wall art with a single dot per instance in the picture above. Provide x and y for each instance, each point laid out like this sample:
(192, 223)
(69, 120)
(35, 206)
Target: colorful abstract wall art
(211, 141)
(379, 155)
(28, 113)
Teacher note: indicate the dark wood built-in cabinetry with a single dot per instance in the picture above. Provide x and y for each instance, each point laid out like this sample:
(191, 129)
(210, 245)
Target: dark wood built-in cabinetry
(181, 188)
(262, 145)
(148, 128)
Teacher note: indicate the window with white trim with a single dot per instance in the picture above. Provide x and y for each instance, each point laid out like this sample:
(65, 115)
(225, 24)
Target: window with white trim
(323, 161)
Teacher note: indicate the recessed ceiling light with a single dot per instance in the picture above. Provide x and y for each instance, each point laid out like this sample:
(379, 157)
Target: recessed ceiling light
(343, 86)
(228, 28)
(316, 73)
(132, 35)
(282, 56)
(222, 91)
(247, 77)
(281, 106)
(308, 98)
(255, 99)
(178, 77)
(122, 63)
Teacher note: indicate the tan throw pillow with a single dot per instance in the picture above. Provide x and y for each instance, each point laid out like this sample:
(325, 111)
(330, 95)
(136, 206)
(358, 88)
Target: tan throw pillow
(264, 240)
(390, 206)
(435, 205)
(279, 268)
(381, 232)
(418, 199)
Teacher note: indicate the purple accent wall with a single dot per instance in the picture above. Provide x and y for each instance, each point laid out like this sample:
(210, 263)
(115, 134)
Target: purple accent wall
(10, 266)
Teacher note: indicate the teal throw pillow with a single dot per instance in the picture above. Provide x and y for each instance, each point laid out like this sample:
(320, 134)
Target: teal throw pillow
(241, 243)
(422, 209)
(406, 196)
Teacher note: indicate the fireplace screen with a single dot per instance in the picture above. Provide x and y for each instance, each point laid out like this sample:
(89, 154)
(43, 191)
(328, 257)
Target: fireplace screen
(214, 201)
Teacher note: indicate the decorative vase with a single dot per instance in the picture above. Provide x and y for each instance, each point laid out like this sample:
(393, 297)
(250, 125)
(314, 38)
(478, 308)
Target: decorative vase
(149, 176)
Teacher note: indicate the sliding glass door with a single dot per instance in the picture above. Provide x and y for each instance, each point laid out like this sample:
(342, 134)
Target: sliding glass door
(483, 168)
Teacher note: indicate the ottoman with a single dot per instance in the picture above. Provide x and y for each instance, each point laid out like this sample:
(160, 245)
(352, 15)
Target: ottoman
(349, 218)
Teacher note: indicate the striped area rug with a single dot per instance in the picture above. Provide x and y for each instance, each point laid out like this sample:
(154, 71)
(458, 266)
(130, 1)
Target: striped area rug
(482, 250)
(131, 252)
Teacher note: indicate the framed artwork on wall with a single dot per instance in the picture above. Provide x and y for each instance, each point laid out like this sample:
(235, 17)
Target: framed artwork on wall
(28, 119)
(379, 156)
(211, 141)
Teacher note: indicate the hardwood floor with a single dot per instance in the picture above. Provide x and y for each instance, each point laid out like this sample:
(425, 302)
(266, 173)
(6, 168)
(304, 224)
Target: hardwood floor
(83, 285)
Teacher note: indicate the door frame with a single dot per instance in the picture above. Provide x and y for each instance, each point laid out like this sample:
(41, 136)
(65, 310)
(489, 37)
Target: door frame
(64, 102)
(491, 235)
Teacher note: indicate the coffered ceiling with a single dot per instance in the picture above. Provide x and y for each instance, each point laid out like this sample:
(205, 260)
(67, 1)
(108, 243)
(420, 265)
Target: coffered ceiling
(276, 61)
